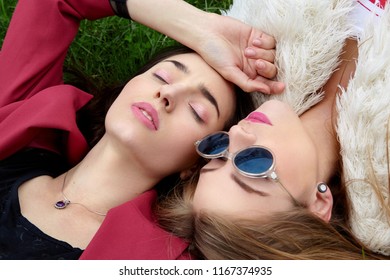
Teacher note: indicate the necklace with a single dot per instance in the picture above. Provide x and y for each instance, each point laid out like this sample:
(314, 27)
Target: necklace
(62, 204)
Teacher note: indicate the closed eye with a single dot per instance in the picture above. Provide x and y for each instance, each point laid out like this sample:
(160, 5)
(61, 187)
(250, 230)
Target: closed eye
(196, 115)
(246, 187)
(160, 78)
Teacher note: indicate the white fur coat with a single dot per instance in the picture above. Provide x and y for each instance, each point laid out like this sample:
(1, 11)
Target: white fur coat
(310, 35)
(363, 124)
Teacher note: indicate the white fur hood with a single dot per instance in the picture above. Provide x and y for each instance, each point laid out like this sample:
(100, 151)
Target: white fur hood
(310, 36)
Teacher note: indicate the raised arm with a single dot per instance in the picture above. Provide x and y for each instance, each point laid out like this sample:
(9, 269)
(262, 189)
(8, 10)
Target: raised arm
(240, 53)
(36, 43)
(41, 31)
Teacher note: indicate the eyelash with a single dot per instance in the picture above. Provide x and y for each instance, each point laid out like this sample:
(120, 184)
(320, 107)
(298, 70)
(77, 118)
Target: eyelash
(195, 114)
(160, 78)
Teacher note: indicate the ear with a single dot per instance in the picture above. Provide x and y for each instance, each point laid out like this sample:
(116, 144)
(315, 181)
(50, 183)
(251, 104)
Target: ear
(195, 168)
(186, 174)
(322, 205)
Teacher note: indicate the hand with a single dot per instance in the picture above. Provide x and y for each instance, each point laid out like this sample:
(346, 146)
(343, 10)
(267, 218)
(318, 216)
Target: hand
(241, 54)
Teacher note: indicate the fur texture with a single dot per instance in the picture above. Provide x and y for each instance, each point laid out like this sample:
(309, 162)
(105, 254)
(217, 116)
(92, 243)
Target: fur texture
(363, 123)
(310, 35)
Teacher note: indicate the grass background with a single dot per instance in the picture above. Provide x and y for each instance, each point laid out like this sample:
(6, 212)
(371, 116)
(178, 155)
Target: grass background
(109, 50)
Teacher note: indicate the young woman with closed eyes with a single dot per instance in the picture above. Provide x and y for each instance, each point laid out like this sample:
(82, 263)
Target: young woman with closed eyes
(58, 198)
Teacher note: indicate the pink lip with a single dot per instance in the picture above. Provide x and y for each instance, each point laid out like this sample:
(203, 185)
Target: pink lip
(140, 108)
(258, 117)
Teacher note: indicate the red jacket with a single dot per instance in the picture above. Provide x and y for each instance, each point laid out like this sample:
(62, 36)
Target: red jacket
(38, 110)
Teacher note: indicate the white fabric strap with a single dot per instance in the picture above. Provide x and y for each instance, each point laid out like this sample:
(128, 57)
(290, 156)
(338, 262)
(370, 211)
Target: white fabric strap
(363, 11)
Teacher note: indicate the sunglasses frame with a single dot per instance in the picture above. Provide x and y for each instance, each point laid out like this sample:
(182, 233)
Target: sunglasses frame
(268, 174)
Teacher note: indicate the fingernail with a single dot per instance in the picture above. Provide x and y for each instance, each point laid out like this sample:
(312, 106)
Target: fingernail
(257, 42)
(250, 52)
(260, 65)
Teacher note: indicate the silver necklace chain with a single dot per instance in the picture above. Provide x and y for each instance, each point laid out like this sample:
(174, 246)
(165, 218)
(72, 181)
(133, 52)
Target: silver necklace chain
(62, 204)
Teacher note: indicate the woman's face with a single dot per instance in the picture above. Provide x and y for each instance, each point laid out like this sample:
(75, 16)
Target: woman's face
(161, 113)
(224, 191)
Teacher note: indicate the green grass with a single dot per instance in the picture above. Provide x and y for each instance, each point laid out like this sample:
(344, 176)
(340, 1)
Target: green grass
(111, 49)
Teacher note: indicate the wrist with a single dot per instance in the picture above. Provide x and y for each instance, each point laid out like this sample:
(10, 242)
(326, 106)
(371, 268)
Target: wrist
(176, 19)
(194, 29)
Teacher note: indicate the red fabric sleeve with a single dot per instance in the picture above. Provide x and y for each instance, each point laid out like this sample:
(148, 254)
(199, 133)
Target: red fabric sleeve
(36, 109)
(47, 120)
(36, 43)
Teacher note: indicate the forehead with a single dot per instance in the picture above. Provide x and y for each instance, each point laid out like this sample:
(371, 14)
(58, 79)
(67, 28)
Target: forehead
(192, 66)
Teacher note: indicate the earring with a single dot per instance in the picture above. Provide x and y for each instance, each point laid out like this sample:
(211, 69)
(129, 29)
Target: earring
(322, 187)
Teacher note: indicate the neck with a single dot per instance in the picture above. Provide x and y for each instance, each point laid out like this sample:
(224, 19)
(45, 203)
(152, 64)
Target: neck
(320, 120)
(105, 179)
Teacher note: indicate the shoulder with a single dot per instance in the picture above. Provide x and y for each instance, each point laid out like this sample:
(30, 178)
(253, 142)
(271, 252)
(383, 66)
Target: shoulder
(130, 232)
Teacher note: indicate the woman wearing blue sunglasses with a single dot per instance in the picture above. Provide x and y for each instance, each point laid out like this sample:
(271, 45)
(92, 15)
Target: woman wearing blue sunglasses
(57, 197)
(272, 188)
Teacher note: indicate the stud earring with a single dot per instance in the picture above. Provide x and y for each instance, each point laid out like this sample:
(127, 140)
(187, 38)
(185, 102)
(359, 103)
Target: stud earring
(322, 187)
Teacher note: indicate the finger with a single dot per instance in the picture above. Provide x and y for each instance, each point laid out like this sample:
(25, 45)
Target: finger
(247, 84)
(275, 87)
(259, 53)
(266, 69)
(264, 41)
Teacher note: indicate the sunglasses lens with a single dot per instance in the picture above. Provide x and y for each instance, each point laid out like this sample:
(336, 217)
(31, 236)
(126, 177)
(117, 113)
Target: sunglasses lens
(214, 144)
(254, 161)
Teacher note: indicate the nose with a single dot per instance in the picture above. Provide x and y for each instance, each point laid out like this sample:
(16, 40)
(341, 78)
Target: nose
(240, 139)
(170, 95)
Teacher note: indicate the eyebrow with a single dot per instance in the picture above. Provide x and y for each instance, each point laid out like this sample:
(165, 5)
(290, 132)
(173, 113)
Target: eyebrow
(203, 89)
(245, 186)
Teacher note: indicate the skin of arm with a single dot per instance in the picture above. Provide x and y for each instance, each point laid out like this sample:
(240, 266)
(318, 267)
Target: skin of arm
(240, 53)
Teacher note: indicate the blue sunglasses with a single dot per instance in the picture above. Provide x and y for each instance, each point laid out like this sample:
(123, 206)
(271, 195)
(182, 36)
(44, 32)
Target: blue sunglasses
(253, 161)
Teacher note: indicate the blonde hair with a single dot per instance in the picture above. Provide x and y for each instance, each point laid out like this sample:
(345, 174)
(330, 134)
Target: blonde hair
(297, 234)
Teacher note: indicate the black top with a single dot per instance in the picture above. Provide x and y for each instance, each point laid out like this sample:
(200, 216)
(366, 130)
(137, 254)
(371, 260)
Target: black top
(20, 239)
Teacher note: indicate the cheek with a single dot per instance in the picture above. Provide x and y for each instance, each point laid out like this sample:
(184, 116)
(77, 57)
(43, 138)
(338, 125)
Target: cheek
(207, 196)
(212, 197)
(216, 193)
(137, 87)
(300, 154)
(296, 165)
